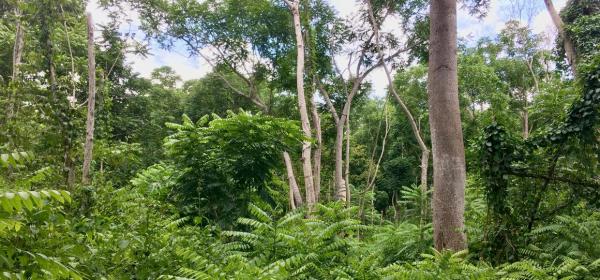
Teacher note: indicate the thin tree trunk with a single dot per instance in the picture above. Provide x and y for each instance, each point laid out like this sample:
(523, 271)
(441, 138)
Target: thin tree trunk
(536, 83)
(567, 43)
(340, 183)
(73, 99)
(89, 135)
(449, 173)
(525, 118)
(295, 196)
(413, 124)
(304, 119)
(371, 179)
(347, 161)
(17, 57)
(18, 47)
(318, 150)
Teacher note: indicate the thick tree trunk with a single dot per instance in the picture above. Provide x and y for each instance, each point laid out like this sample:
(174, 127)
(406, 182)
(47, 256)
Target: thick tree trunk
(446, 132)
(568, 44)
(295, 196)
(89, 135)
(304, 119)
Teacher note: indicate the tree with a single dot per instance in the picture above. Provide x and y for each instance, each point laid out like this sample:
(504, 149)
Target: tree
(349, 81)
(307, 164)
(89, 132)
(165, 76)
(568, 44)
(522, 61)
(449, 173)
(413, 124)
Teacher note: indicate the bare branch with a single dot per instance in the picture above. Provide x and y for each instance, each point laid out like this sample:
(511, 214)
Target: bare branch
(330, 106)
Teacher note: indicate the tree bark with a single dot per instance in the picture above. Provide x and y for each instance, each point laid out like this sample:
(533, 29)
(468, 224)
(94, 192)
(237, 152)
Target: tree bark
(295, 196)
(318, 150)
(347, 161)
(449, 173)
(525, 118)
(89, 135)
(304, 119)
(18, 46)
(567, 43)
(17, 57)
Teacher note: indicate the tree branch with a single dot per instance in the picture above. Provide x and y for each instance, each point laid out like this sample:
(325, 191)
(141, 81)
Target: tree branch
(330, 106)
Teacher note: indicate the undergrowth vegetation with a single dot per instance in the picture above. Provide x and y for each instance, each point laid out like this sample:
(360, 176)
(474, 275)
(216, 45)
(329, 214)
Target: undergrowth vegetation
(281, 162)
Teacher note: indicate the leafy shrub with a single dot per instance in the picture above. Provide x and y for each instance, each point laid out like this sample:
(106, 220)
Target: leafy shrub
(227, 162)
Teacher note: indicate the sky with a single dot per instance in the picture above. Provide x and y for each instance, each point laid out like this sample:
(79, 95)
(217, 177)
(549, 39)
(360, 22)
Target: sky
(469, 28)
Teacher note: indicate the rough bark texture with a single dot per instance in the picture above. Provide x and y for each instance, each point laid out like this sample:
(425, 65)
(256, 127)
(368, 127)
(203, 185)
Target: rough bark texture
(446, 132)
(304, 119)
(568, 44)
(89, 130)
(295, 196)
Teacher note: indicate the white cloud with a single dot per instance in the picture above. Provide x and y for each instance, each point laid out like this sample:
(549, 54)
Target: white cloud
(469, 27)
(187, 67)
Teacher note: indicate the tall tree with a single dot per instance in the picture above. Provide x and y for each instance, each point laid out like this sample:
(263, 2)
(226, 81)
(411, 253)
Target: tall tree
(89, 131)
(304, 119)
(449, 174)
(560, 26)
(17, 56)
(413, 124)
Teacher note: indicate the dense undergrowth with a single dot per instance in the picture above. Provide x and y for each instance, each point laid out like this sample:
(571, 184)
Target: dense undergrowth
(207, 195)
(133, 233)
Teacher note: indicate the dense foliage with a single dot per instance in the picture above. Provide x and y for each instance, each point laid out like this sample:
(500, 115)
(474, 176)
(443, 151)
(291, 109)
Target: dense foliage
(189, 179)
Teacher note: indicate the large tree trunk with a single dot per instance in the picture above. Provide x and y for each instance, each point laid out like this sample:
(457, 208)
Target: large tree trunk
(304, 119)
(89, 135)
(295, 196)
(446, 132)
(568, 44)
